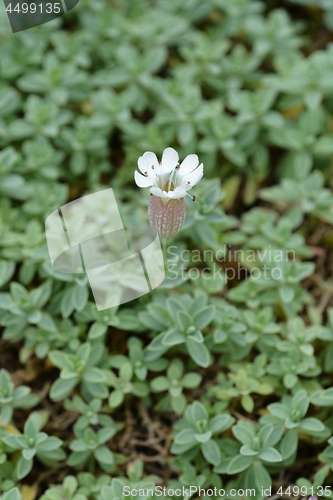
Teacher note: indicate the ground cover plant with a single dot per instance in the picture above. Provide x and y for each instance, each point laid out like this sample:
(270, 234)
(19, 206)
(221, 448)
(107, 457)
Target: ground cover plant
(222, 377)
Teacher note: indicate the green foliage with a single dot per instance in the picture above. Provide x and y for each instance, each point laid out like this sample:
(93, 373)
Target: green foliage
(80, 367)
(174, 383)
(185, 318)
(90, 446)
(91, 414)
(11, 397)
(84, 486)
(24, 308)
(257, 450)
(197, 433)
(243, 380)
(137, 360)
(67, 490)
(34, 443)
(123, 383)
(13, 494)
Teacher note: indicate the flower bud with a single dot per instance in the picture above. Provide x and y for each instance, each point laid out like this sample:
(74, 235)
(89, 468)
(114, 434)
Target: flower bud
(166, 216)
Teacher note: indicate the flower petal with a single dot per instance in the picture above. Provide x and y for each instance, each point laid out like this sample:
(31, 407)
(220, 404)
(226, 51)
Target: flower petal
(194, 177)
(142, 181)
(158, 192)
(146, 167)
(179, 192)
(170, 159)
(188, 165)
(151, 158)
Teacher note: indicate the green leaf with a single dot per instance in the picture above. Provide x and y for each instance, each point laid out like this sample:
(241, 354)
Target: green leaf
(104, 455)
(239, 463)
(191, 380)
(61, 388)
(323, 146)
(11, 441)
(248, 451)
(198, 352)
(173, 337)
(244, 433)
(140, 389)
(78, 445)
(220, 423)
(203, 317)
(312, 99)
(23, 467)
(178, 404)
(60, 359)
(270, 455)
(67, 304)
(262, 477)
(7, 269)
(79, 297)
(12, 494)
(211, 452)
(186, 133)
(94, 375)
(287, 294)
(204, 437)
(116, 398)
(289, 380)
(312, 425)
(196, 336)
(289, 444)
(247, 403)
(6, 414)
(116, 487)
(184, 320)
(159, 384)
(51, 443)
(186, 436)
(97, 330)
(47, 323)
(96, 390)
(30, 426)
(29, 453)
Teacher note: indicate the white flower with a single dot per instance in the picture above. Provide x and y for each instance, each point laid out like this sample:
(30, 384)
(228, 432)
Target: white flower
(168, 179)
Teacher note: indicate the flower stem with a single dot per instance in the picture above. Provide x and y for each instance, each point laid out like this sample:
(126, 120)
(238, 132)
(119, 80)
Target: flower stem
(164, 253)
